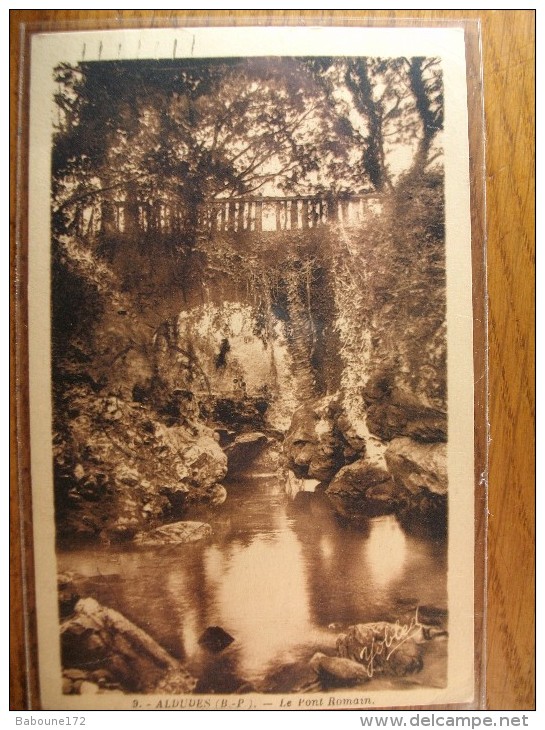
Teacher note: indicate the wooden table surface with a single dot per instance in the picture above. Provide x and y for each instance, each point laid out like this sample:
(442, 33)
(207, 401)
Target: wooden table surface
(508, 38)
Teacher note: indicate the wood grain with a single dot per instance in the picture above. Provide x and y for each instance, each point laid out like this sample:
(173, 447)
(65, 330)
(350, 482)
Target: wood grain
(508, 38)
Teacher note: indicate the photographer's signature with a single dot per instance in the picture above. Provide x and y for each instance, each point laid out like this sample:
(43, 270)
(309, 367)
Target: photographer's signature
(394, 636)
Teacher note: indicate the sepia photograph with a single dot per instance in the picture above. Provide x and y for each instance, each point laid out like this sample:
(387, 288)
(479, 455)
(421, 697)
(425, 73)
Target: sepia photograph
(251, 368)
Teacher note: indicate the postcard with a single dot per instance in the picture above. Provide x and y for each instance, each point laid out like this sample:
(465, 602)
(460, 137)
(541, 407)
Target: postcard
(251, 368)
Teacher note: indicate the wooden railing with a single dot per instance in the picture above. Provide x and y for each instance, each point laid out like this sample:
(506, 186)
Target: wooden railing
(289, 213)
(257, 214)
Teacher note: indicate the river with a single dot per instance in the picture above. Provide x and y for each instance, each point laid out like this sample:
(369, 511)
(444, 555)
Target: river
(282, 578)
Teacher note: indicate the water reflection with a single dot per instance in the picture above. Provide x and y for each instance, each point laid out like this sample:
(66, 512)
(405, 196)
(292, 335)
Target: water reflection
(385, 551)
(275, 577)
(261, 595)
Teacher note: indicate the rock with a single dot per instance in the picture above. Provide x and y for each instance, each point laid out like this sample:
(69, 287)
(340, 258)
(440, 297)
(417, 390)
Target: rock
(67, 686)
(420, 471)
(134, 470)
(89, 688)
(216, 495)
(344, 671)
(245, 688)
(244, 450)
(181, 405)
(389, 420)
(126, 475)
(98, 638)
(236, 412)
(416, 466)
(215, 639)
(124, 526)
(322, 439)
(363, 488)
(101, 677)
(175, 533)
(74, 674)
(294, 485)
(382, 647)
(313, 447)
(406, 659)
(176, 681)
(394, 411)
(68, 595)
(204, 463)
(351, 432)
(297, 677)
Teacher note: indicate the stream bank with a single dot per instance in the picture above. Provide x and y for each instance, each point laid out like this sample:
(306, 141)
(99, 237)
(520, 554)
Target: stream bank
(285, 580)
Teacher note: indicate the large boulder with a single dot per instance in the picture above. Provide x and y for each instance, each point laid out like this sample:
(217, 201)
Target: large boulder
(202, 462)
(394, 411)
(382, 648)
(177, 533)
(243, 450)
(416, 466)
(419, 470)
(99, 641)
(321, 440)
(338, 670)
(363, 488)
(297, 677)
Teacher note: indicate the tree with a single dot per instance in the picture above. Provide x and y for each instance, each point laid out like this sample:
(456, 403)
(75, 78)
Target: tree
(185, 132)
(145, 145)
(385, 107)
(426, 84)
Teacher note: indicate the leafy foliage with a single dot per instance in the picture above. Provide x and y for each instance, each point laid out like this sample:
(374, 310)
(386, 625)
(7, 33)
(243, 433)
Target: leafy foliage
(141, 147)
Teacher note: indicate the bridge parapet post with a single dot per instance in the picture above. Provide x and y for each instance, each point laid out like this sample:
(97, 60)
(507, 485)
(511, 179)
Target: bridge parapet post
(294, 214)
(240, 215)
(278, 215)
(332, 209)
(268, 215)
(258, 216)
(231, 217)
(304, 220)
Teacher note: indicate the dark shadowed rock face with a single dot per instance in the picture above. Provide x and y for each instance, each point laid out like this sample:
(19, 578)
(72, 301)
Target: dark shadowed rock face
(68, 594)
(312, 448)
(242, 452)
(363, 488)
(393, 411)
(321, 440)
(419, 471)
(240, 412)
